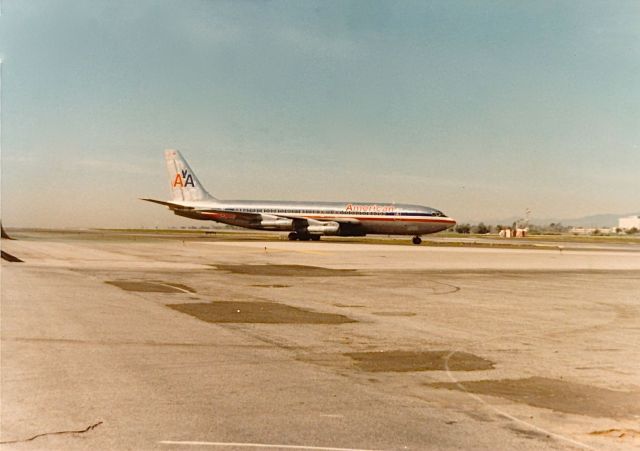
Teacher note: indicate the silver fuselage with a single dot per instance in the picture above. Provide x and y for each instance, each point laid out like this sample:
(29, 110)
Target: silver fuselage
(356, 218)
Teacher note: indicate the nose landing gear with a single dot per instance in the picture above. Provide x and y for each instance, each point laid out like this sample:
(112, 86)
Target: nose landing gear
(416, 240)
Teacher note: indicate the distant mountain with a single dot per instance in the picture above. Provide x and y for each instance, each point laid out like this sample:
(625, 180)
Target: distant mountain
(605, 220)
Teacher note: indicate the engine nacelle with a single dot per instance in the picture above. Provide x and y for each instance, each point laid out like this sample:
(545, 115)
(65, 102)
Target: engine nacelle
(325, 228)
(279, 223)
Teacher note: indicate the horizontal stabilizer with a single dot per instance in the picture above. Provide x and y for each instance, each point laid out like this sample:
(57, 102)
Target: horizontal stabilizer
(171, 205)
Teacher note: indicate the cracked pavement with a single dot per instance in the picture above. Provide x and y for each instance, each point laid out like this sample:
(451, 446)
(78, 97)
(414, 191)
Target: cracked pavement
(113, 367)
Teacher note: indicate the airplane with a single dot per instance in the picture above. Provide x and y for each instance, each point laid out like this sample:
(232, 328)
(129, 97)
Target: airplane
(304, 220)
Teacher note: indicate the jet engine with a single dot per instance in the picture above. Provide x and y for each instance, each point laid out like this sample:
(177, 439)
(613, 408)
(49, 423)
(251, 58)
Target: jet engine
(277, 223)
(325, 228)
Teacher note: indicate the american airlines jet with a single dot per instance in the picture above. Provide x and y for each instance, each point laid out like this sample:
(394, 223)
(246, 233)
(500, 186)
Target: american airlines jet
(304, 220)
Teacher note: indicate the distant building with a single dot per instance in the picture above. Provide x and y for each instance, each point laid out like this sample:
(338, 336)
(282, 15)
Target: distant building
(629, 222)
(591, 230)
(521, 233)
(517, 233)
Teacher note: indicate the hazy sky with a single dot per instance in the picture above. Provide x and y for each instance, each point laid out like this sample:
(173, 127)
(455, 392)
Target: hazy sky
(479, 108)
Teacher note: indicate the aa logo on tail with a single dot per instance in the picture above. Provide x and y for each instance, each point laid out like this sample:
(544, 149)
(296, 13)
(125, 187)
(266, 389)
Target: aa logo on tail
(183, 180)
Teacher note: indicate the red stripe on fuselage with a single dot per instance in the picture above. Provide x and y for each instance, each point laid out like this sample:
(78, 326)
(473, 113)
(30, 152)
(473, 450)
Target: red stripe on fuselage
(394, 218)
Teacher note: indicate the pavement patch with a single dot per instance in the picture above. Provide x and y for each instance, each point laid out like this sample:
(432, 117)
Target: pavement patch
(271, 286)
(403, 361)
(528, 433)
(618, 433)
(10, 258)
(151, 287)
(4, 234)
(286, 270)
(394, 313)
(558, 395)
(257, 312)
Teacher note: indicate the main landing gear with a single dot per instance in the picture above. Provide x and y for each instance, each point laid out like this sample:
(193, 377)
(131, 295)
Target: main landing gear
(416, 240)
(303, 236)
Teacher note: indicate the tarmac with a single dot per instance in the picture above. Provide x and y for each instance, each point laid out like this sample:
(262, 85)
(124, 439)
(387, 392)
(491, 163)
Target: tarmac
(124, 341)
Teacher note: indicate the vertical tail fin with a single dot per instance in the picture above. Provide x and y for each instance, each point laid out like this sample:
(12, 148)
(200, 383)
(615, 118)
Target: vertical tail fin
(185, 186)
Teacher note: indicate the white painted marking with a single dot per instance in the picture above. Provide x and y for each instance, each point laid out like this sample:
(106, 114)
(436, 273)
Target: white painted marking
(505, 414)
(174, 287)
(258, 445)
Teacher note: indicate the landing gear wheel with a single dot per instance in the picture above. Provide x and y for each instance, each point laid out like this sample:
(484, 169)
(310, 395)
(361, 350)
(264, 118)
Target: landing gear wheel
(315, 237)
(293, 236)
(304, 237)
(416, 240)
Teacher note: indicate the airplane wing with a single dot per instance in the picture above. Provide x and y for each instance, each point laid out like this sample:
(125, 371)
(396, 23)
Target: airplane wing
(215, 213)
(341, 220)
(318, 221)
(298, 222)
